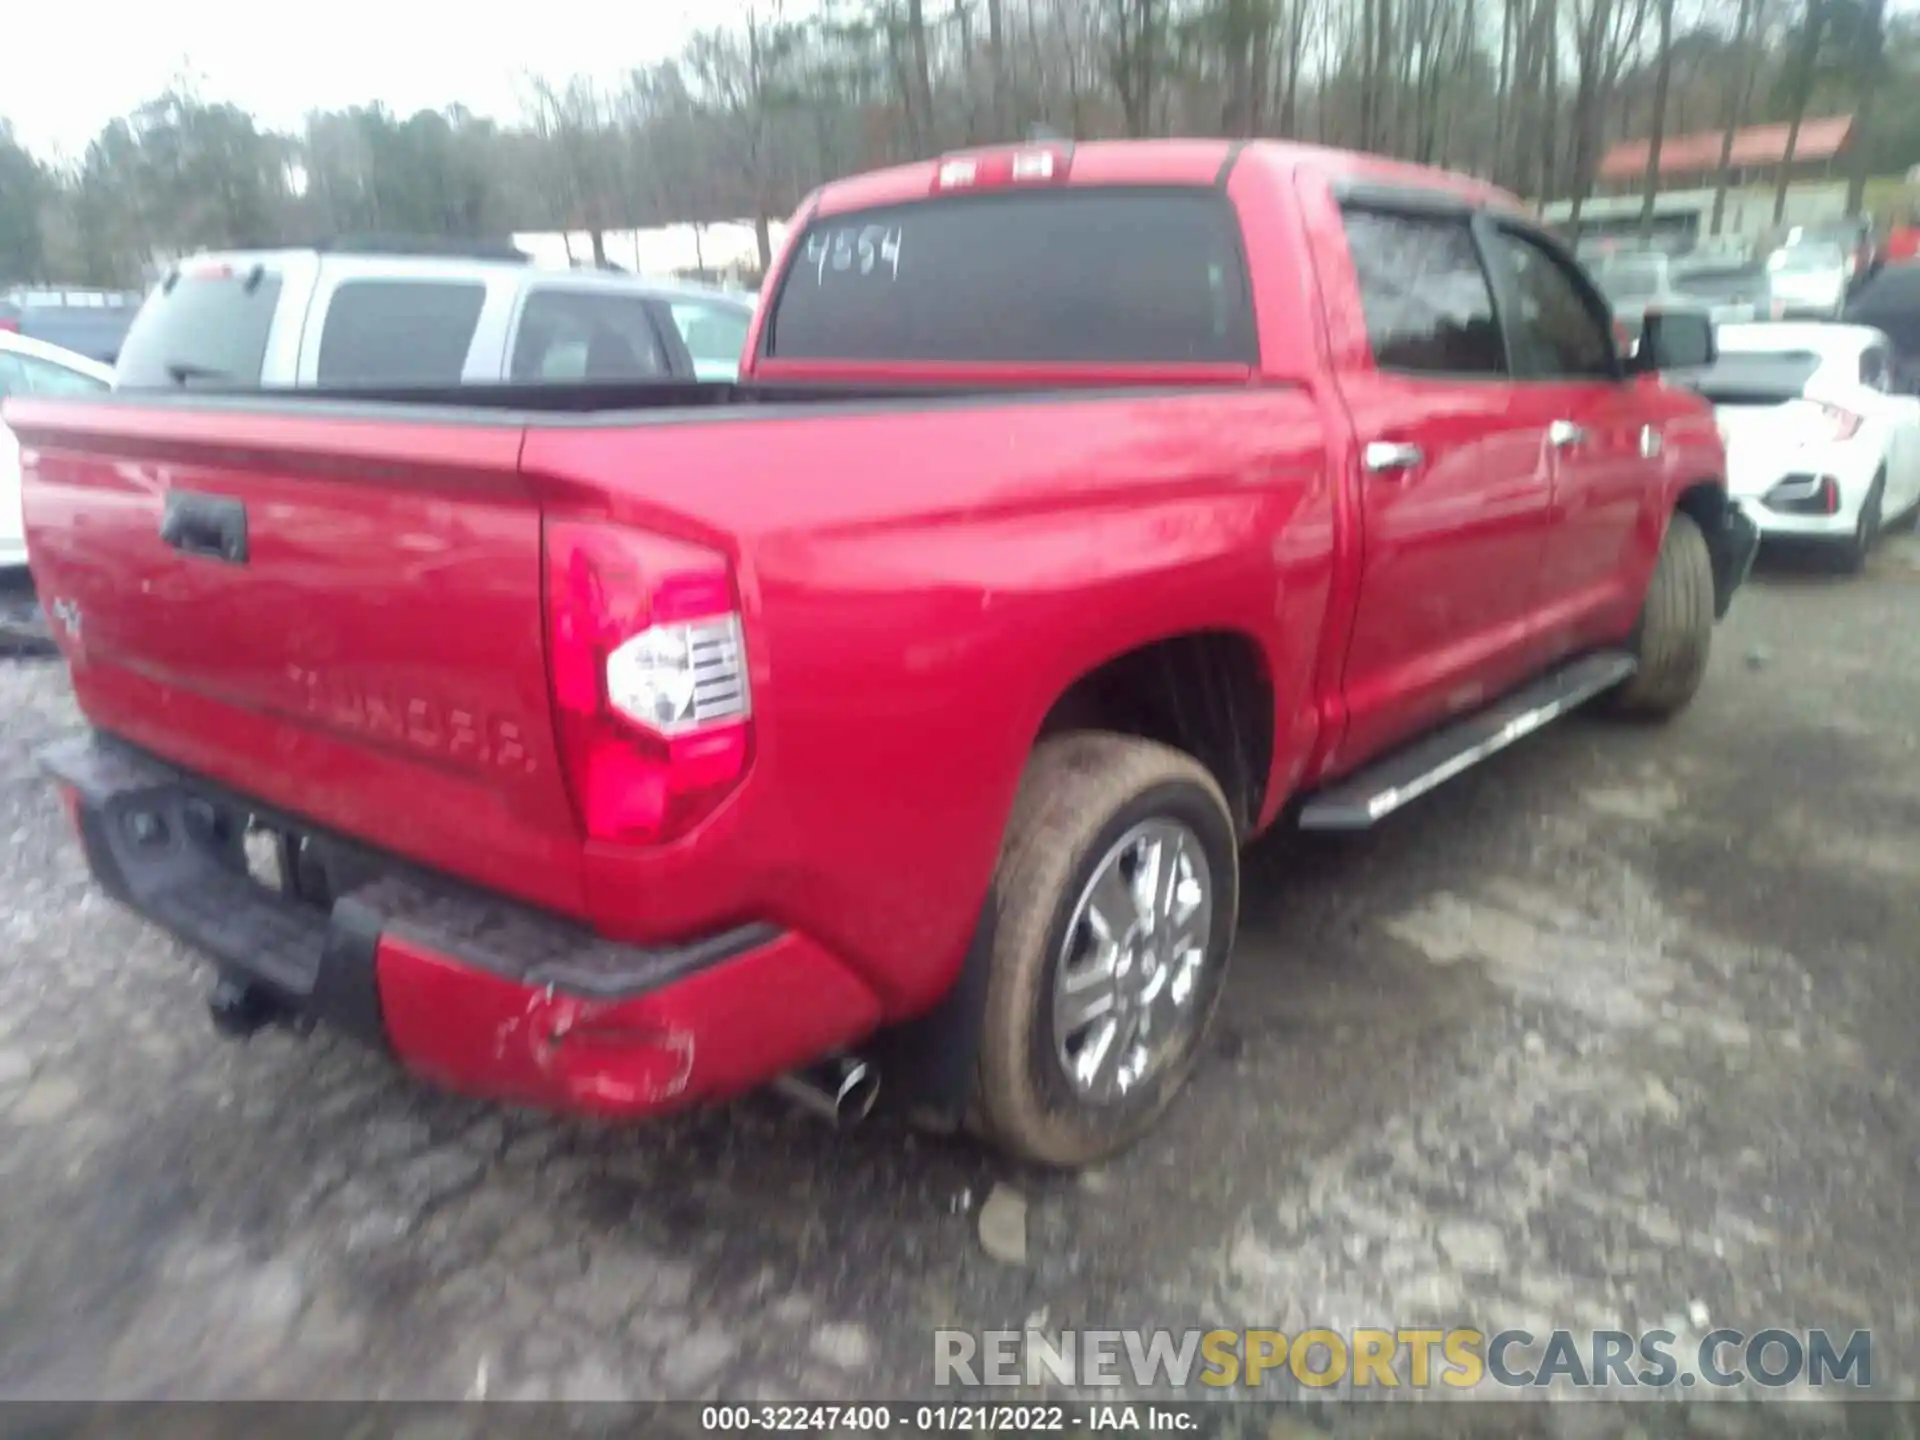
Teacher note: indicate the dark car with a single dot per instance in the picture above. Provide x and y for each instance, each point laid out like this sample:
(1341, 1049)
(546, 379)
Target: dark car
(88, 322)
(1889, 301)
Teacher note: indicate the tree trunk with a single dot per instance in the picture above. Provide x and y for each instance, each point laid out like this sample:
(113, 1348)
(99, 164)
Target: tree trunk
(1736, 112)
(922, 98)
(1502, 91)
(763, 240)
(1296, 53)
(1662, 77)
(1549, 100)
(997, 67)
(1805, 59)
(1870, 72)
(1383, 99)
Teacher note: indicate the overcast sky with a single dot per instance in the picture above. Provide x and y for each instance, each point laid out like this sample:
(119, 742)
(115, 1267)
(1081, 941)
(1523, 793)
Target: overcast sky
(70, 70)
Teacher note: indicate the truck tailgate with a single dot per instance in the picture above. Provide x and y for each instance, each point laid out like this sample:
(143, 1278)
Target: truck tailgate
(341, 617)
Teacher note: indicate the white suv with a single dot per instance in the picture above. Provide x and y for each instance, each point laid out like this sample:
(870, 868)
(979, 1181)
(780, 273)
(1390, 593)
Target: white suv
(337, 318)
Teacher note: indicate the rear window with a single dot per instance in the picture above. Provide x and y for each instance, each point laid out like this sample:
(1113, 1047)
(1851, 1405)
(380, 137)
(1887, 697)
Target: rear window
(1064, 277)
(211, 328)
(398, 332)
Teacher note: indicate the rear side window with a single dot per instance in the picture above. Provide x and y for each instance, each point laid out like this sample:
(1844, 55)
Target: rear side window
(582, 335)
(1064, 277)
(1428, 305)
(210, 328)
(399, 332)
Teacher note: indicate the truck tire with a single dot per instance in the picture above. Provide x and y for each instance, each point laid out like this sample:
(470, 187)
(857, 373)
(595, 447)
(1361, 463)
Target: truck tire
(1084, 948)
(1674, 634)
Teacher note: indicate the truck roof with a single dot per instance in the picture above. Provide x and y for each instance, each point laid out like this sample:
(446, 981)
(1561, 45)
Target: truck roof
(1162, 162)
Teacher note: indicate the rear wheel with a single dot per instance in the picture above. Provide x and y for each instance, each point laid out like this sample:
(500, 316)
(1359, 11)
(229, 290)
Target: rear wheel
(1852, 555)
(1117, 892)
(1674, 634)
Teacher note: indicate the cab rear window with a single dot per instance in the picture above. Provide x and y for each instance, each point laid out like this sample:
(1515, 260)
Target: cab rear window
(209, 327)
(1113, 276)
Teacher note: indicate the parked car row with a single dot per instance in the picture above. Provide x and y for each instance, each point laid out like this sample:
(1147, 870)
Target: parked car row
(1815, 380)
(1819, 443)
(91, 323)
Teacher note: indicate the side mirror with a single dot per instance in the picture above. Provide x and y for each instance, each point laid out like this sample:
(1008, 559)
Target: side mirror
(1674, 340)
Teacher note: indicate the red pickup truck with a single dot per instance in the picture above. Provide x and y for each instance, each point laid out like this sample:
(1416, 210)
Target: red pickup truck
(1081, 512)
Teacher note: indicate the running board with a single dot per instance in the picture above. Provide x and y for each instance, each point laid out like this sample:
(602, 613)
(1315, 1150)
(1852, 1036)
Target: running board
(1383, 787)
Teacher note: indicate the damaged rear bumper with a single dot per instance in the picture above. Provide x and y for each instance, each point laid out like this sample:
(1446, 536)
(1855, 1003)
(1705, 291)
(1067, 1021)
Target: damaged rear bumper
(474, 992)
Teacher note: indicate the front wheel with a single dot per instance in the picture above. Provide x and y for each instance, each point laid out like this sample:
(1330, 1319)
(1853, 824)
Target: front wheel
(1117, 893)
(1674, 634)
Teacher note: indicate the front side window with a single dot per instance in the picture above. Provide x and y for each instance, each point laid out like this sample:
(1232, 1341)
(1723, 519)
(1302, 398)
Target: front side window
(1559, 333)
(1428, 305)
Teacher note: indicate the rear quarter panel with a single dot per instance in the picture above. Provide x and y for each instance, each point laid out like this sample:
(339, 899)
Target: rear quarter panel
(919, 586)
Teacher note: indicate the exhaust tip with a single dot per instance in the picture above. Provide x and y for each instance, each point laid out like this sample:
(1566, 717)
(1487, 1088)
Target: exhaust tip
(841, 1091)
(859, 1093)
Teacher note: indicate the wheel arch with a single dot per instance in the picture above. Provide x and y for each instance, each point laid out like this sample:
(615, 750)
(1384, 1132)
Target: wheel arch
(1206, 692)
(1226, 723)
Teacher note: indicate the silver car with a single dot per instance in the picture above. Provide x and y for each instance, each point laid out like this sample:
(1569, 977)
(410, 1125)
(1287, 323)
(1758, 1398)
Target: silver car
(1647, 280)
(1809, 279)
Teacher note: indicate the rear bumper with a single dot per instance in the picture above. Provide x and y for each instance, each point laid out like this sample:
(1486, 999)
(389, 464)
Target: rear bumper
(475, 993)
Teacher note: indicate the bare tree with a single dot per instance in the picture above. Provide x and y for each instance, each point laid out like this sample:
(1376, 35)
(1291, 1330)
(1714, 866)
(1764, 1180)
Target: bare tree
(1662, 77)
(1803, 71)
(1739, 96)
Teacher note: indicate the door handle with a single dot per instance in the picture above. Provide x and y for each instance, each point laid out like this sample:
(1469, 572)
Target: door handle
(210, 525)
(1383, 457)
(1564, 435)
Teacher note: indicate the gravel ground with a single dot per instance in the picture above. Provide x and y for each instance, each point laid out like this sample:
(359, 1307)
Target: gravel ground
(1616, 1031)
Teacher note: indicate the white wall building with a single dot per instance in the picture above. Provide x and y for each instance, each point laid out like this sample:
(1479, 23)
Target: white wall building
(660, 252)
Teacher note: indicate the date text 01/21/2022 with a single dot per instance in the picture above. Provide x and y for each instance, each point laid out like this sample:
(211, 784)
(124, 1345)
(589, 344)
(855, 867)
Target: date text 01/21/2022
(942, 1419)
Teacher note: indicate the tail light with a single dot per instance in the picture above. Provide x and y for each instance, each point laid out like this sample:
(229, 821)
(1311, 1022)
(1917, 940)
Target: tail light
(987, 169)
(648, 667)
(12, 327)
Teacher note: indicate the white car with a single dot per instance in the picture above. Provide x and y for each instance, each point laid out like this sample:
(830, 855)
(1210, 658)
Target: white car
(1818, 445)
(32, 367)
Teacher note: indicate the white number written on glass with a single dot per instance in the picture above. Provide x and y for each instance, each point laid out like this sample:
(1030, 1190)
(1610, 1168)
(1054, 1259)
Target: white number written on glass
(863, 250)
